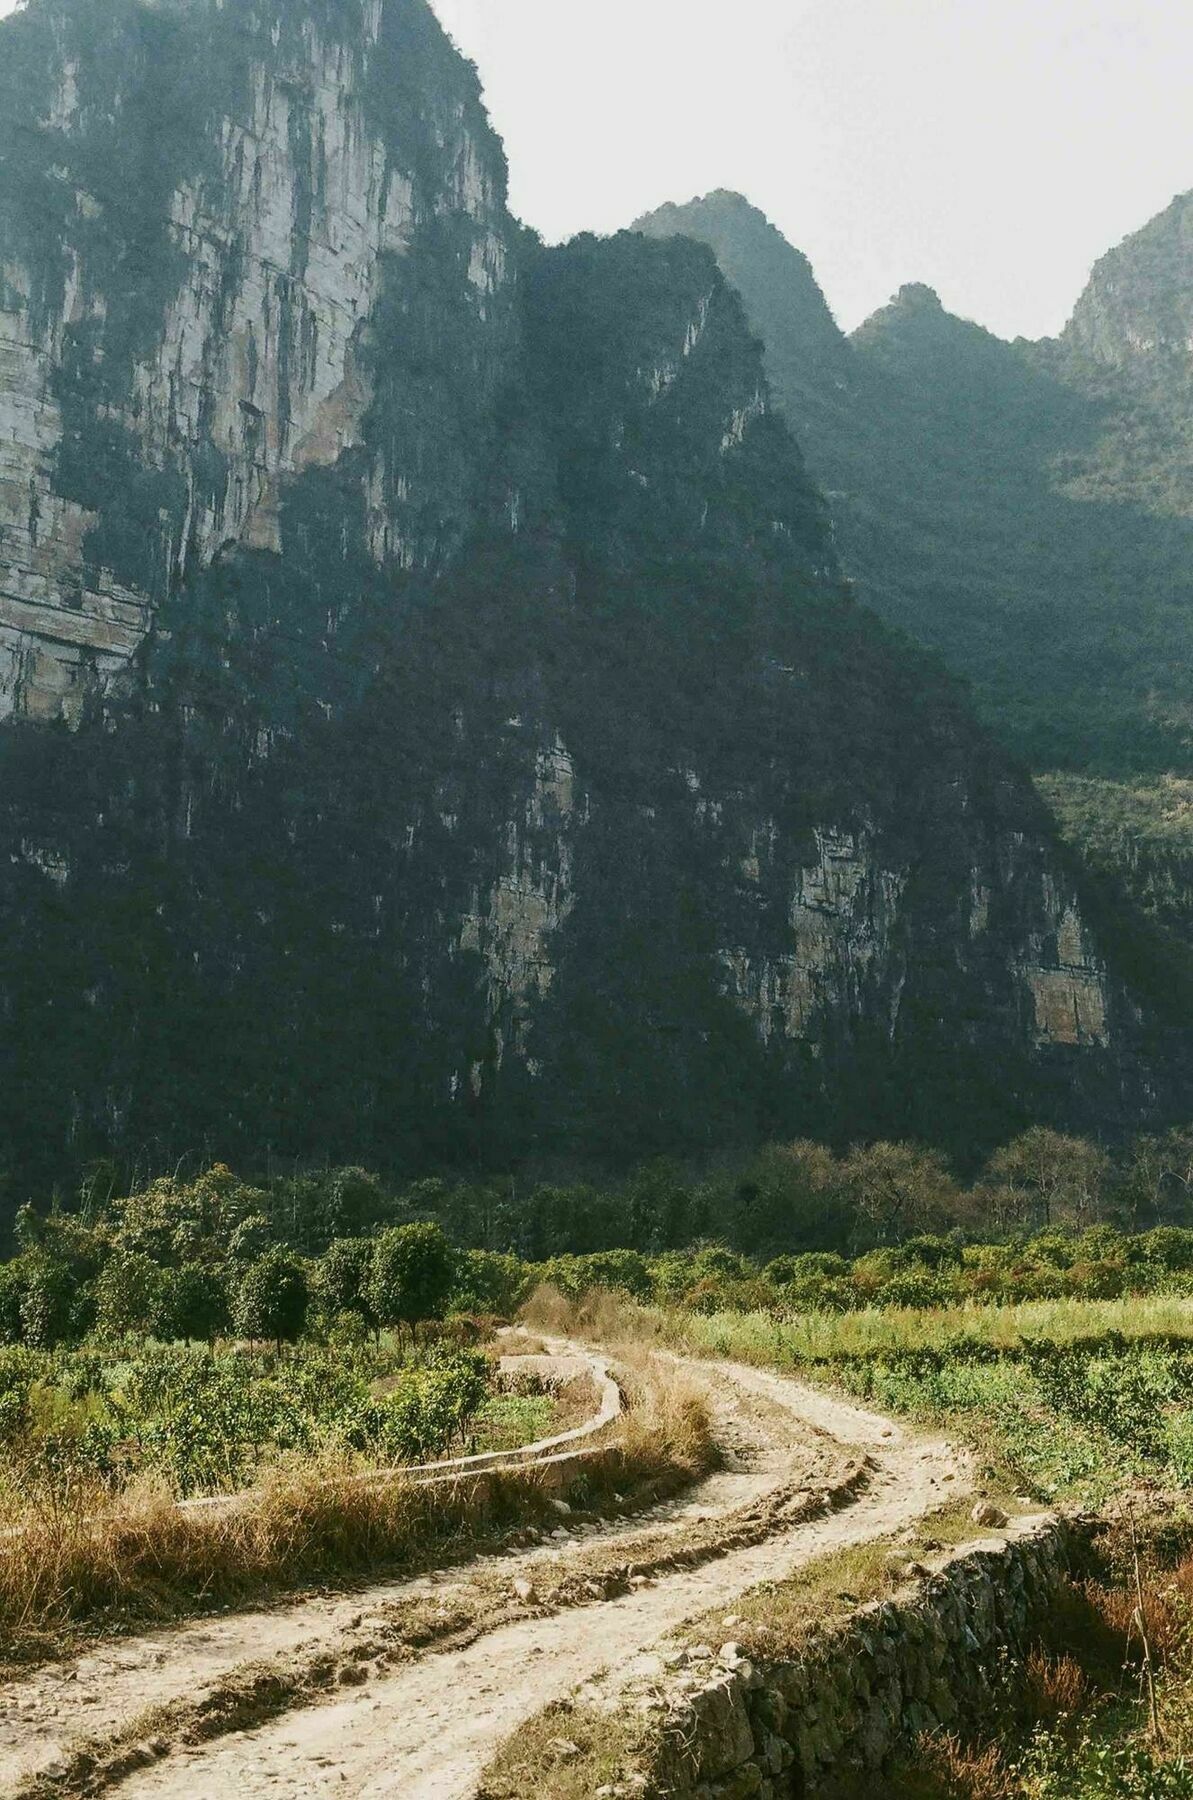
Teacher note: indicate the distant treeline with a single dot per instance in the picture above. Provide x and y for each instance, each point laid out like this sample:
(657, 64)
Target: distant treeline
(340, 1250)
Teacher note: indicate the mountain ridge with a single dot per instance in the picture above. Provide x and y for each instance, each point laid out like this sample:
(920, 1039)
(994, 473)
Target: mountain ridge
(1025, 514)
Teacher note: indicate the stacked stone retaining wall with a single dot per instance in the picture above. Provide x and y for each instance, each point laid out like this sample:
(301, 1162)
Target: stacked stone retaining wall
(928, 1659)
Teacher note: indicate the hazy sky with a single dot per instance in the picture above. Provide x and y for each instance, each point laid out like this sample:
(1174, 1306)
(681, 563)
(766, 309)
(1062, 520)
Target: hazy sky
(990, 147)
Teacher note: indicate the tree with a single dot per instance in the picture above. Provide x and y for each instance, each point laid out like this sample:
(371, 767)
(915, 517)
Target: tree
(251, 1239)
(1056, 1180)
(899, 1189)
(180, 1222)
(271, 1299)
(61, 1258)
(48, 1315)
(1159, 1179)
(12, 1289)
(791, 1198)
(126, 1294)
(411, 1276)
(312, 1210)
(191, 1302)
(341, 1279)
(488, 1281)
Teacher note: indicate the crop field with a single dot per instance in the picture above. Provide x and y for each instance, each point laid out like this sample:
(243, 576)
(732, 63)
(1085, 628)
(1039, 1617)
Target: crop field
(98, 1447)
(205, 1422)
(1069, 1401)
(1086, 1405)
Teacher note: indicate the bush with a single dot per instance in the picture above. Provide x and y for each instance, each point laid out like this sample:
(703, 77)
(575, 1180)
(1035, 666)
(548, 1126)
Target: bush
(422, 1414)
(18, 1370)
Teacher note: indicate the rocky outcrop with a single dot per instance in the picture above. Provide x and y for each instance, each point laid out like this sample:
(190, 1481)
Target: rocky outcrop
(927, 1660)
(1138, 304)
(461, 748)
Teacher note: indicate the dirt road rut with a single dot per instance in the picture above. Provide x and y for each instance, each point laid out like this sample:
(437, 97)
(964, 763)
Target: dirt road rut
(427, 1728)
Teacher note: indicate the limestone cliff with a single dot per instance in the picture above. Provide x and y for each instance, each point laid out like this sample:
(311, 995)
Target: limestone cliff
(1139, 299)
(437, 729)
(197, 206)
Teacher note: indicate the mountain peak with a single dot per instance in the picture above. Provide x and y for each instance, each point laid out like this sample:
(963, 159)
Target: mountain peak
(775, 279)
(917, 296)
(1138, 302)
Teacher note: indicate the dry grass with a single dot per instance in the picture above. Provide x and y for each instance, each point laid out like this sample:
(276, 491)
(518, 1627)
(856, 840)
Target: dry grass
(568, 1752)
(600, 1317)
(522, 1345)
(1057, 1686)
(666, 1420)
(945, 1768)
(98, 1560)
(75, 1560)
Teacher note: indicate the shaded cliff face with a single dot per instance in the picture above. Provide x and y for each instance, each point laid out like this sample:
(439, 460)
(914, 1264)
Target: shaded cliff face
(437, 730)
(1024, 510)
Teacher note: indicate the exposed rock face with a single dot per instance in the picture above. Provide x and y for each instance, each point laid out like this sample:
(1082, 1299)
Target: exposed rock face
(842, 920)
(1139, 301)
(190, 312)
(438, 728)
(1066, 979)
(1026, 511)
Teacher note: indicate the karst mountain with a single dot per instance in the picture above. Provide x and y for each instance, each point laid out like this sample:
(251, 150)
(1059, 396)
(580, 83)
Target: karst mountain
(438, 729)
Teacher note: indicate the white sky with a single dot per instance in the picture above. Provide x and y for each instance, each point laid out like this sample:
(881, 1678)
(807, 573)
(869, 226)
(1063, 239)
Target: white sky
(992, 148)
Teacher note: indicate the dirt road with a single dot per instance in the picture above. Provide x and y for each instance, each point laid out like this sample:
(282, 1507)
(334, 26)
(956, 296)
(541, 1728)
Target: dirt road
(427, 1728)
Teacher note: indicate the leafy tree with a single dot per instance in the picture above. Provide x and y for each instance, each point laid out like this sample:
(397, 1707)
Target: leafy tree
(898, 1189)
(411, 1276)
(342, 1278)
(126, 1295)
(655, 1211)
(271, 1298)
(251, 1240)
(60, 1259)
(17, 1371)
(47, 1303)
(792, 1197)
(178, 1222)
(12, 1288)
(191, 1302)
(312, 1210)
(488, 1282)
(1158, 1180)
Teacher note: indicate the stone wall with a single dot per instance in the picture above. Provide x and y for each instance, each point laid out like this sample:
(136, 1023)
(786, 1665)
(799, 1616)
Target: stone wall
(924, 1660)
